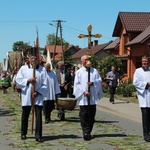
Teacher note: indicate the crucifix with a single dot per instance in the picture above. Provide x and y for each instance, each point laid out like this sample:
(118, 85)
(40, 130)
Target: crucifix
(89, 36)
(89, 52)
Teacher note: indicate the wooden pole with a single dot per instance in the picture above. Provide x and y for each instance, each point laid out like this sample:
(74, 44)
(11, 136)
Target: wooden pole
(33, 90)
(55, 42)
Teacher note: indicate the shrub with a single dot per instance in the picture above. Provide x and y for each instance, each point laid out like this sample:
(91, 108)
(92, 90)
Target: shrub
(126, 89)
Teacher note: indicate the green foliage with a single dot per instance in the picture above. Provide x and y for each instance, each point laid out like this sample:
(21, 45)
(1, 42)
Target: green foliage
(126, 89)
(4, 82)
(19, 46)
(106, 63)
(51, 38)
(68, 57)
(105, 89)
(94, 61)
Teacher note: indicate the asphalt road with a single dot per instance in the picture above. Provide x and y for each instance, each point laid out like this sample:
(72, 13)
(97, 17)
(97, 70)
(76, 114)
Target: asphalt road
(109, 128)
(128, 124)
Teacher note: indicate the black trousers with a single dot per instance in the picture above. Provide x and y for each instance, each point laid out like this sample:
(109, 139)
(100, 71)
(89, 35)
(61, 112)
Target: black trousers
(63, 92)
(38, 122)
(87, 117)
(48, 107)
(70, 92)
(61, 111)
(112, 91)
(146, 121)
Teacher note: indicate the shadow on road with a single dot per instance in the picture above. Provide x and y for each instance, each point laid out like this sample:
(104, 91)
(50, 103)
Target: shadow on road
(4, 112)
(49, 138)
(75, 119)
(106, 121)
(121, 102)
(109, 135)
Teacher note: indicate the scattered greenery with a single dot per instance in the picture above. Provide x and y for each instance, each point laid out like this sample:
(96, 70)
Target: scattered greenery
(105, 133)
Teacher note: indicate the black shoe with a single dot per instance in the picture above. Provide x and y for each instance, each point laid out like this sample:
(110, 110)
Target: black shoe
(39, 140)
(23, 137)
(112, 101)
(87, 137)
(47, 121)
(61, 116)
(147, 138)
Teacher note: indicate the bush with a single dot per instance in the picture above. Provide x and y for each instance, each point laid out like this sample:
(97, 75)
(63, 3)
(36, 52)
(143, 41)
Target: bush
(105, 89)
(126, 89)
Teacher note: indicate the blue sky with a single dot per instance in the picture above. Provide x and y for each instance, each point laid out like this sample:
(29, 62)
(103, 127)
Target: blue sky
(19, 18)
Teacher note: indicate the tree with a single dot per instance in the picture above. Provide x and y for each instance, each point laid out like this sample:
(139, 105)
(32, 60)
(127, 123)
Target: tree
(94, 61)
(106, 63)
(68, 57)
(51, 40)
(19, 46)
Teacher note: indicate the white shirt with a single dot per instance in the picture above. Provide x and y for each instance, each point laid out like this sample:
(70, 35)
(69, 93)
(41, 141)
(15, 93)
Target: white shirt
(80, 86)
(22, 77)
(140, 80)
(52, 86)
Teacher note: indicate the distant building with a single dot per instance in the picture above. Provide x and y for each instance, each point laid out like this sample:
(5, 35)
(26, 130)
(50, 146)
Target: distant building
(58, 52)
(133, 32)
(97, 50)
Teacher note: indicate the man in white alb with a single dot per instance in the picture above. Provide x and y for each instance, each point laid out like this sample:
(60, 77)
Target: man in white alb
(81, 84)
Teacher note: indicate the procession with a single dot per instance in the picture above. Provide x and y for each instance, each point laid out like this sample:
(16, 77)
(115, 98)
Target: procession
(40, 88)
(62, 91)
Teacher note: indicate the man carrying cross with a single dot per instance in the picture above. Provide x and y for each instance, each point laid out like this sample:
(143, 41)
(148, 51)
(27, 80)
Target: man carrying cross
(24, 80)
(81, 84)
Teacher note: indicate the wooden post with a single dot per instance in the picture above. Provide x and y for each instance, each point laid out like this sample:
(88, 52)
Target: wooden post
(33, 90)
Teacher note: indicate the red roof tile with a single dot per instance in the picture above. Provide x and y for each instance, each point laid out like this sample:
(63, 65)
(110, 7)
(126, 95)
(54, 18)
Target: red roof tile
(58, 56)
(51, 48)
(132, 22)
(95, 49)
(141, 37)
(113, 44)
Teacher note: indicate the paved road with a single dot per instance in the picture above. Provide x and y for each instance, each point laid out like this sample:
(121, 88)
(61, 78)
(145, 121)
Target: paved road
(127, 114)
(119, 122)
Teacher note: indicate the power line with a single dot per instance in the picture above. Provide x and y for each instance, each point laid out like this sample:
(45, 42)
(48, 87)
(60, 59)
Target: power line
(74, 28)
(85, 32)
(45, 21)
(26, 21)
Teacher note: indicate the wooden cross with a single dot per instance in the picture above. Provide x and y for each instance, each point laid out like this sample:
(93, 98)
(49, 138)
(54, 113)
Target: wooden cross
(89, 36)
(88, 64)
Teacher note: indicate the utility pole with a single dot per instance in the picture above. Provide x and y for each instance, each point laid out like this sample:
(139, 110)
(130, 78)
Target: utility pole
(58, 26)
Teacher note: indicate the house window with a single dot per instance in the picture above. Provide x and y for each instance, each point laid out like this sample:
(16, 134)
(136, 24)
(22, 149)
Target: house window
(124, 66)
(138, 64)
(125, 41)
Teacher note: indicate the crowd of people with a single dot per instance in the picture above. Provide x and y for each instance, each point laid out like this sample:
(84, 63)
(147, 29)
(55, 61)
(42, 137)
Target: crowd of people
(52, 84)
(83, 84)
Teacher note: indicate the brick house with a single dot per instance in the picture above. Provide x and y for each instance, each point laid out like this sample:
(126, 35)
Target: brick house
(132, 30)
(58, 51)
